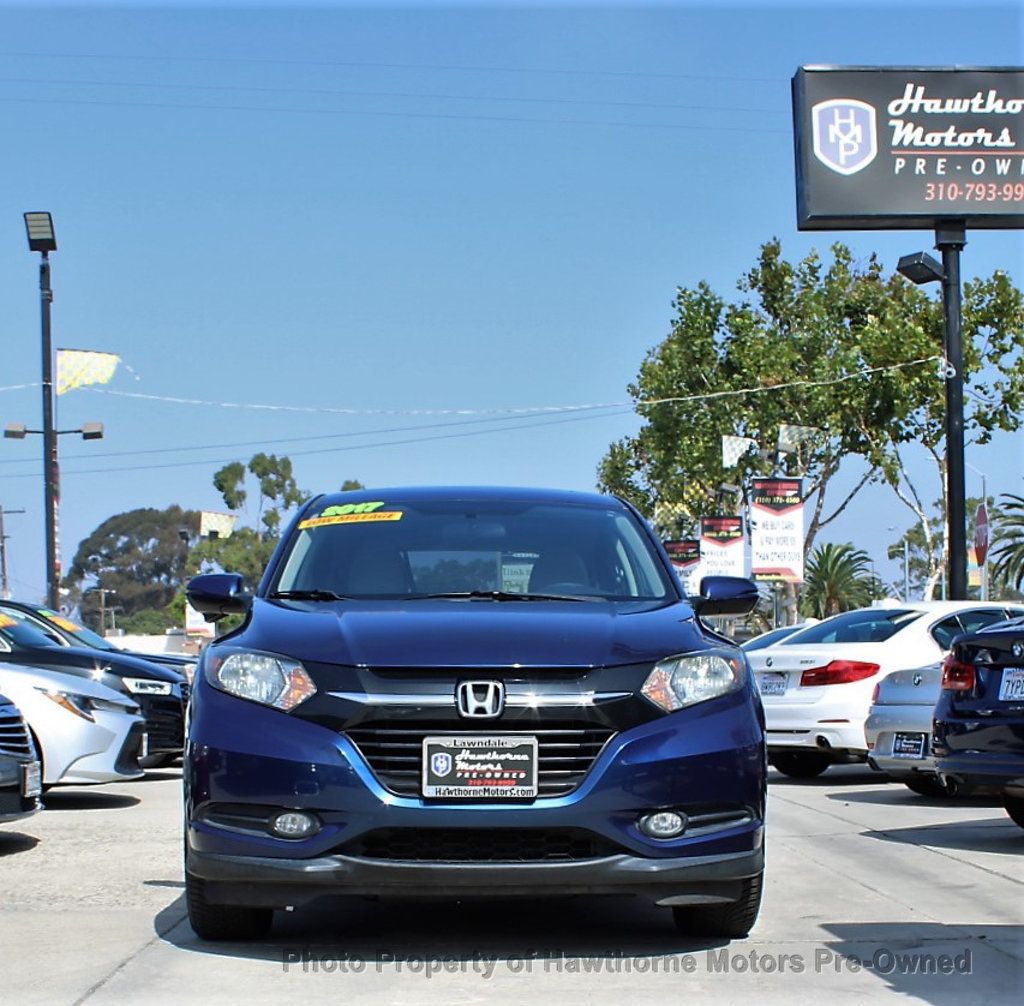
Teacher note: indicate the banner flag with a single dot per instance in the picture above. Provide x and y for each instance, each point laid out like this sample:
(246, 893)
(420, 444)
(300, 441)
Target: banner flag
(791, 437)
(733, 448)
(76, 367)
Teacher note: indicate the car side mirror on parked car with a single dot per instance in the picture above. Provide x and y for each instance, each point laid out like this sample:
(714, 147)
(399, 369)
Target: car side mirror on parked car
(725, 595)
(215, 595)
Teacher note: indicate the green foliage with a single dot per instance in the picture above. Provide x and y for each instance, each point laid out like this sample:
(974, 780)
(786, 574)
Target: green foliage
(138, 555)
(742, 369)
(350, 485)
(149, 622)
(838, 578)
(1008, 542)
(278, 490)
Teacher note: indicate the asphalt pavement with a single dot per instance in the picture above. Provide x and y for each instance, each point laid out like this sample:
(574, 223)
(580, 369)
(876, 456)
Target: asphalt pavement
(872, 892)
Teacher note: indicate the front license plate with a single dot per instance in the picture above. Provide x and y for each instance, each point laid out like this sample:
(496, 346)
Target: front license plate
(480, 768)
(908, 745)
(1011, 688)
(772, 683)
(31, 779)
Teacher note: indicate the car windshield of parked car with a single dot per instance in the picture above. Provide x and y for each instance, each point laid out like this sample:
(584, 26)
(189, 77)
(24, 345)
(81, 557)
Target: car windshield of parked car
(16, 633)
(866, 625)
(418, 549)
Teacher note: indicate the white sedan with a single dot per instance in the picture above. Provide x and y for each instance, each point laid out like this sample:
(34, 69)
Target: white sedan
(85, 732)
(816, 684)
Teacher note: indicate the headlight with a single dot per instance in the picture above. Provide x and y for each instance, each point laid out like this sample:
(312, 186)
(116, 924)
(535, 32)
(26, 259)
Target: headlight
(148, 686)
(261, 677)
(678, 682)
(78, 705)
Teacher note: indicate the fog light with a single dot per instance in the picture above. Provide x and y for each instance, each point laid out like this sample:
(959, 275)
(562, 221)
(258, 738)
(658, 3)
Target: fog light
(663, 824)
(294, 824)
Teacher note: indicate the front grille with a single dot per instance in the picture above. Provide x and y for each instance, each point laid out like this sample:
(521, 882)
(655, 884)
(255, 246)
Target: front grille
(14, 738)
(165, 723)
(565, 751)
(480, 845)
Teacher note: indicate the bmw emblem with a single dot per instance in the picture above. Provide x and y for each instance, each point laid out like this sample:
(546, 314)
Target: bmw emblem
(768, 662)
(1018, 650)
(917, 679)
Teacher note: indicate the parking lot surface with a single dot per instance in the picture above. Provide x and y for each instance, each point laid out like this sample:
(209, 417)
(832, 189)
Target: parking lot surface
(871, 892)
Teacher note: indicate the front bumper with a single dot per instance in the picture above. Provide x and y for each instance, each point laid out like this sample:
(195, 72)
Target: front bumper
(277, 883)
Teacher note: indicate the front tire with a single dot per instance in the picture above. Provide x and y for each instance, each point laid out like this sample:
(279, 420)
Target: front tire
(732, 921)
(1015, 808)
(800, 764)
(223, 922)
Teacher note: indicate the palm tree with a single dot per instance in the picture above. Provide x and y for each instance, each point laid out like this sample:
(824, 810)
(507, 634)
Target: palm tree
(838, 578)
(1008, 543)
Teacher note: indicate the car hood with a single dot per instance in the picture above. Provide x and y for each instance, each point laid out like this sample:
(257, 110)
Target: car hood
(472, 633)
(76, 659)
(18, 679)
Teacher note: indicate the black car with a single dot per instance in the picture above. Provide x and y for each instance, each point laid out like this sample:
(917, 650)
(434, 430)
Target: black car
(67, 632)
(160, 691)
(20, 776)
(978, 732)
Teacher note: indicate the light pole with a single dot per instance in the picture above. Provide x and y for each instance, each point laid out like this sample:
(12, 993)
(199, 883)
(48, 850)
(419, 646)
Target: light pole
(922, 268)
(41, 238)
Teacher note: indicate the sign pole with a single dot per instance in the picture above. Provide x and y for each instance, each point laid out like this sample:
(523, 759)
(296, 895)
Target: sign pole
(950, 239)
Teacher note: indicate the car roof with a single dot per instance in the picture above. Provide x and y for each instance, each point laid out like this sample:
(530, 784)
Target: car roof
(946, 607)
(511, 494)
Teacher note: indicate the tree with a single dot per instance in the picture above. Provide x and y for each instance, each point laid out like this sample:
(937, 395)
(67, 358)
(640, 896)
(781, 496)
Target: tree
(278, 490)
(137, 557)
(838, 578)
(1008, 541)
(842, 348)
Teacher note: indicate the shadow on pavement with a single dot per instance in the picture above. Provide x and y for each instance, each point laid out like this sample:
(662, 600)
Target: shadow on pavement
(86, 799)
(945, 965)
(13, 842)
(159, 775)
(378, 933)
(893, 796)
(988, 834)
(835, 775)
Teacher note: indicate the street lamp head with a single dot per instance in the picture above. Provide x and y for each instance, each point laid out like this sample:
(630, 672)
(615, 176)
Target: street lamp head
(920, 268)
(15, 431)
(92, 431)
(40, 232)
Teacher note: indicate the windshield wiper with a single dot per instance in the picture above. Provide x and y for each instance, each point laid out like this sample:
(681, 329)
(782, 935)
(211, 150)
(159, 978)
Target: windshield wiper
(308, 595)
(498, 595)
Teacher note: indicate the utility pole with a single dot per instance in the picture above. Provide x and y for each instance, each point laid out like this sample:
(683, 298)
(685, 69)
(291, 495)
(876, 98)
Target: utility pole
(5, 588)
(103, 591)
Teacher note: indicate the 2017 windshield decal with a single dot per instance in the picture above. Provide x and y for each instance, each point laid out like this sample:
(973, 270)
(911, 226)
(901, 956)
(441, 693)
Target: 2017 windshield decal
(351, 513)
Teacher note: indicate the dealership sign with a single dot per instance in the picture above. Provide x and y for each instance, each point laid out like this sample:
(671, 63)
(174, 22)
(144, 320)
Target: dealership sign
(721, 546)
(685, 556)
(777, 530)
(887, 148)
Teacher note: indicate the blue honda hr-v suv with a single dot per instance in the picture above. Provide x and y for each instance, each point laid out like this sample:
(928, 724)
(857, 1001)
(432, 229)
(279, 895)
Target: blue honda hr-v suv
(462, 692)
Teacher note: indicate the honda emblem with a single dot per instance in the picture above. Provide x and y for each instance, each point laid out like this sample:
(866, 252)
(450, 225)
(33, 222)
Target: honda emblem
(483, 700)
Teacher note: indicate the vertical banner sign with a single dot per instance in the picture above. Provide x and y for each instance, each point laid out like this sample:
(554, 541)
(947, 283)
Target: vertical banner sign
(777, 530)
(685, 556)
(721, 546)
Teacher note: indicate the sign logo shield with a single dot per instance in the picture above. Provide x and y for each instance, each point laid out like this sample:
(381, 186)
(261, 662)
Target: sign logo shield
(440, 763)
(845, 135)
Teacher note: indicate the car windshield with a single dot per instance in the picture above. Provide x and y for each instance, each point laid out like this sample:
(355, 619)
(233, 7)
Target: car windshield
(491, 548)
(18, 633)
(82, 635)
(866, 625)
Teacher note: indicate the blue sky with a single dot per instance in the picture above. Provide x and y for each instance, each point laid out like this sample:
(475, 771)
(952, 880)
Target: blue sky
(403, 211)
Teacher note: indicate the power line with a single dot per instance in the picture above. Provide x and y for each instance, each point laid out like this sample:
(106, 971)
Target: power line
(366, 64)
(334, 92)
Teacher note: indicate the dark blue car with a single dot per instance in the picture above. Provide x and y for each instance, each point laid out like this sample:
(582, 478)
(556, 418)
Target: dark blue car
(978, 733)
(472, 692)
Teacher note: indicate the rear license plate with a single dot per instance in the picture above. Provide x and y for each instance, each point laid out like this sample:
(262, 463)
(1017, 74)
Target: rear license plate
(1011, 688)
(772, 683)
(31, 779)
(908, 745)
(480, 768)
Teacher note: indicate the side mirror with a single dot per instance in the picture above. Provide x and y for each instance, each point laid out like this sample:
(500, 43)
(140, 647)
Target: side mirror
(725, 595)
(218, 594)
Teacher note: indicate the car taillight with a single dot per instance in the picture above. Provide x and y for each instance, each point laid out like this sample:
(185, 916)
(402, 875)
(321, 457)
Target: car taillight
(838, 672)
(958, 676)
